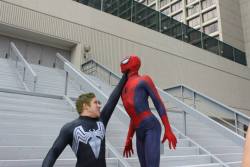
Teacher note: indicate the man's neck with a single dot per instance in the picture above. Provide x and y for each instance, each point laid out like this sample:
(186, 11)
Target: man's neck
(87, 114)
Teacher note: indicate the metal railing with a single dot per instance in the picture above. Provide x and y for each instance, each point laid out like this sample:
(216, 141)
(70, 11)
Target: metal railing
(3, 54)
(70, 81)
(94, 68)
(240, 118)
(226, 116)
(143, 15)
(221, 113)
(24, 70)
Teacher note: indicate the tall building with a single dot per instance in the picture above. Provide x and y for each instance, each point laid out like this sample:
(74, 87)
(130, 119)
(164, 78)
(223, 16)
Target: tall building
(201, 15)
(223, 19)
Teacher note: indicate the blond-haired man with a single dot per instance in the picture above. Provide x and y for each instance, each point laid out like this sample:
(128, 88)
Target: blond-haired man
(86, 134)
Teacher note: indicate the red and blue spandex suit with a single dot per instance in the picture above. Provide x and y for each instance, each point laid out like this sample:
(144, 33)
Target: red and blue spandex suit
(135, 96)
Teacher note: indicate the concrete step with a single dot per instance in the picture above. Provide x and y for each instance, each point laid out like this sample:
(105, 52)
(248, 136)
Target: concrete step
(35, 152)
(215, 142)
(30, 129)
(234, 164)
(230, 157)
(119, 142)
(224, 149)
(30, 152)
(7, 107)
(111, 162)
(179, 151)
(33, 103)
(177, 160)
(203, 165)
(31, 97)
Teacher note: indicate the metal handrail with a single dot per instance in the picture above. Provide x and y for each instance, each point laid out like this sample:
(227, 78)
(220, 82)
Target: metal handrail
(216, 102)
(60, 57)
(210, 99)
(202, 148)
(237, 115)
(102, 67)
(117, 154)
(25, 63)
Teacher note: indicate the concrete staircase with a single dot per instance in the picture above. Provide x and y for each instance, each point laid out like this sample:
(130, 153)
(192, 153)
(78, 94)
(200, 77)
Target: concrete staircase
(216, 143)
(8, 76)
(30, 123)
(212, 140)
(52, 81)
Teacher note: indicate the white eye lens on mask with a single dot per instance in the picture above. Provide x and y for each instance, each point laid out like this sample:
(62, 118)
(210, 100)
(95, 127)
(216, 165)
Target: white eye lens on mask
(125, 61)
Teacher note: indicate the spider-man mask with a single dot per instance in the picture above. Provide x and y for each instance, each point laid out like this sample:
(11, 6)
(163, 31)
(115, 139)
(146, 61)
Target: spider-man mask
(130, 64)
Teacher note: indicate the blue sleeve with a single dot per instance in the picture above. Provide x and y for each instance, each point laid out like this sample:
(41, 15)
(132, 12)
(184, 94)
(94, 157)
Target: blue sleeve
(153, 93)
(112, 101)
(60, 143)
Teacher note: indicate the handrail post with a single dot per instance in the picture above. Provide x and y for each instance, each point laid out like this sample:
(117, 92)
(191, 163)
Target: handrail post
(182, 91)
(24, 70)
(184, 113)
(34, 86)
(25, 67)
(194, 97)
(16, 61)
(131, 12)
(236, 122)
(109, 78)
(185, 122)
(102, 5)
(66, 83)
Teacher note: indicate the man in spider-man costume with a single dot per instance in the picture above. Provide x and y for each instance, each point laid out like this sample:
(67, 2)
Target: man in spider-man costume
(148, 129)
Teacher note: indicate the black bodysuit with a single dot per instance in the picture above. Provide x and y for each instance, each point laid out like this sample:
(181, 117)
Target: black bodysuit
(86, 135)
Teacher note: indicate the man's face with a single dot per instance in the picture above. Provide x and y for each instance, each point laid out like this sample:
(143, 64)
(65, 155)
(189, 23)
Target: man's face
(94, 107)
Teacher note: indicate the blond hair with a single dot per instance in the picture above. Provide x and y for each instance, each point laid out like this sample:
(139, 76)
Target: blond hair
(84, 99)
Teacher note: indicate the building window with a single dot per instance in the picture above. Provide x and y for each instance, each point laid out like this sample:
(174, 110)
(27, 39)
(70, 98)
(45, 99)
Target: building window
(193, 9)
(178, 17)
(207, 3)
(211, 28)
(176, 6)
(164, 2)
(217, 37)
(151, 1)
(189, 1)
(153, 6)
(166, 11)
(144, 2)
(194, 22)
(209, 15)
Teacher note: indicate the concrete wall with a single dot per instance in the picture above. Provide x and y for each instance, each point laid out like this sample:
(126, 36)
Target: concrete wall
(167, 60)
(231, 25)
(33, 53)
(245, 19)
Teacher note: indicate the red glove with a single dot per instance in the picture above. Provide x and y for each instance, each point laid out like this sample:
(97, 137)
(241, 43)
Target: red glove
(168, 133)
(128, 149)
